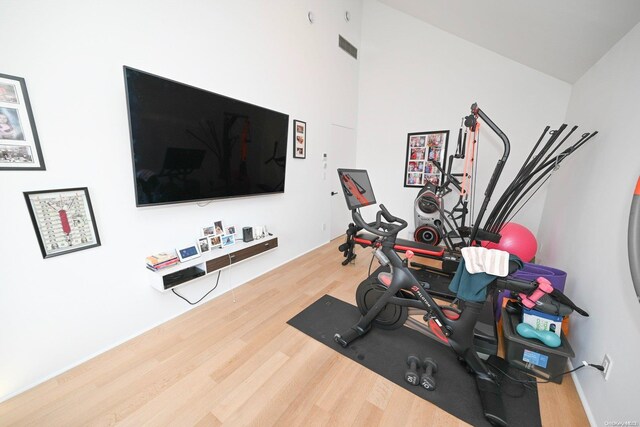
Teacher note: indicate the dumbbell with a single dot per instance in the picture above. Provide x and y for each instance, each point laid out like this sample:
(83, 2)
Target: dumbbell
(426, 379)
(411, 374)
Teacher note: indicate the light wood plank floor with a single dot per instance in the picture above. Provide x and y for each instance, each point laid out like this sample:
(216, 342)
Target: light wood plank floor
(227, 363)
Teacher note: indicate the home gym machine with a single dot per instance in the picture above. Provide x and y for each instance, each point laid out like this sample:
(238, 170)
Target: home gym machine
(486, 335)
(429, 205)
(385, 301)
(437, 227)
(434, 223)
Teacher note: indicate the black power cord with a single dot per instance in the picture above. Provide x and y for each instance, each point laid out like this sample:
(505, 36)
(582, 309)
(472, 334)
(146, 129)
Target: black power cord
(205, 295)
(534, 381)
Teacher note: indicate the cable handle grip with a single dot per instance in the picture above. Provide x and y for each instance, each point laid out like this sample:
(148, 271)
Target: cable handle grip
(544, 287)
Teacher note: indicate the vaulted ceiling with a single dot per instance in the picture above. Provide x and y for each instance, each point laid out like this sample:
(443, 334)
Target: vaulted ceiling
(562, 38)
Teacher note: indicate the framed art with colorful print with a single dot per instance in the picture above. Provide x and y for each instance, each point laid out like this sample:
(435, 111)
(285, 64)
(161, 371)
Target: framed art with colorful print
(424, 150)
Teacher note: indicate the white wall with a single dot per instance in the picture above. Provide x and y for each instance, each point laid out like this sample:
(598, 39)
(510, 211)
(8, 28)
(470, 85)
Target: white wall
(60, 311)
(585, 224)
(415, 77)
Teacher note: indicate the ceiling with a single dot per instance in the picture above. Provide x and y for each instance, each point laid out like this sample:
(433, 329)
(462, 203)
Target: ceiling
(562, 38)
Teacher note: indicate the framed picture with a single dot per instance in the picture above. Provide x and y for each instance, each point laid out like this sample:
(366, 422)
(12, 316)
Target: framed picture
(299, 139)
(208, 231)
(19, 143)
(232, 229)
(218, 228)
(214, 241)
(425, 151)
(203, 243)
(227, 240)
(63, 220)
(189, 252)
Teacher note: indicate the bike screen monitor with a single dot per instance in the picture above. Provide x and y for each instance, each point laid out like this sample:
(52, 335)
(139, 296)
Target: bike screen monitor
(356, 187)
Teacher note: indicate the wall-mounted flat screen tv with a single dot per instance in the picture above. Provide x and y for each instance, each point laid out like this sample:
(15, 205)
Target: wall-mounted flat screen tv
(189, 144)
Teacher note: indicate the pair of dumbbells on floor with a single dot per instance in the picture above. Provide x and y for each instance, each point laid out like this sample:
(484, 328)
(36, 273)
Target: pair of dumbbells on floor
(425, 379)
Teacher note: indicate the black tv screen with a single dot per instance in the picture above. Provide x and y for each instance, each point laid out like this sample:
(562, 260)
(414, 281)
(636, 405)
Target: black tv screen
(189, 144)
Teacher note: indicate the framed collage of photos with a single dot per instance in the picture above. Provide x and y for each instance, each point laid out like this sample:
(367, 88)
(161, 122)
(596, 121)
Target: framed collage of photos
(19, 143)
(299, 139)
(63, 220)
(423, 149)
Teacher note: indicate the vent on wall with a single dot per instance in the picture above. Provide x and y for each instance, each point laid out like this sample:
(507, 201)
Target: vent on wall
(347, 47)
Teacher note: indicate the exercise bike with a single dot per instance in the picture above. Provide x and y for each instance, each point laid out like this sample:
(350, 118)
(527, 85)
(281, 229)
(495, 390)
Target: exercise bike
(384, 300)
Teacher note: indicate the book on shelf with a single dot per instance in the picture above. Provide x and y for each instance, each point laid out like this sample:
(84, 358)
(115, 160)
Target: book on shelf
(160, 257)
(163, 264)
(162, 260)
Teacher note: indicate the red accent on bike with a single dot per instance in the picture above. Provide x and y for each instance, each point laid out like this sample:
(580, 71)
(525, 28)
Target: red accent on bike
(450, 314)
(385, 279)
(419, 251)
(64, 220)
(437, 331)
(362, 241)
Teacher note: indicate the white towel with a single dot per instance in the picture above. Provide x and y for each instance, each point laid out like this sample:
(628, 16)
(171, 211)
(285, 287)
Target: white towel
(482, 260)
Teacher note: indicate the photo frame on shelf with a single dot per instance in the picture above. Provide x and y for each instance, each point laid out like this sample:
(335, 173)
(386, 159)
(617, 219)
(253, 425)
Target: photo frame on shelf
(424, 149)
(227, 240)
(214, 241)
(188, 252)
(299, 139)
(231, 229)
(63, 220)
(208, 231)
(218, 228)
(203, 243)
(19, 142)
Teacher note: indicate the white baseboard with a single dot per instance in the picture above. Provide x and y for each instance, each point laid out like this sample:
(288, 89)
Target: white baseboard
(583, 398)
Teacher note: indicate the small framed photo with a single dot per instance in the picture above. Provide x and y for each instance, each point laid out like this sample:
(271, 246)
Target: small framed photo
(228, 240)
(214, 241)
(299, 139)
(218, 228)
(19, 143)
(203, 243)
(424, 150)
(232, 229)
(63, 220)
(188, 252)
(208, 231)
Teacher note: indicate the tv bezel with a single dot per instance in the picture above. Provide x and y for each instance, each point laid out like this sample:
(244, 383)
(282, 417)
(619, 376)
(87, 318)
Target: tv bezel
(204, 199)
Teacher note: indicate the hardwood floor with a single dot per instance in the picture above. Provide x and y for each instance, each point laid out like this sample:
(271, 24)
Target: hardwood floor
(227, 363)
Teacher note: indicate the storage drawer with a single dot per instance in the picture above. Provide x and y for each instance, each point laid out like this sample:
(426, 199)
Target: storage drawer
(218, 263)
(256, 249)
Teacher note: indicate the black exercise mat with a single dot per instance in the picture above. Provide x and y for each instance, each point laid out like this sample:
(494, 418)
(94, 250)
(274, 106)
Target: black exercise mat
(385, 353)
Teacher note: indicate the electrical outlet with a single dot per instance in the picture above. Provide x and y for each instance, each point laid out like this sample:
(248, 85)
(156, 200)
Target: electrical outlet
(607, 364)
(324, 226)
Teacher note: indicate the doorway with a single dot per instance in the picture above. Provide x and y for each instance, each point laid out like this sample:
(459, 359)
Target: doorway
(341, 154)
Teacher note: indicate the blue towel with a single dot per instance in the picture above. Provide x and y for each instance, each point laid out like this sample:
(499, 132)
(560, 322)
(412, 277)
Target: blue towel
(473, 287)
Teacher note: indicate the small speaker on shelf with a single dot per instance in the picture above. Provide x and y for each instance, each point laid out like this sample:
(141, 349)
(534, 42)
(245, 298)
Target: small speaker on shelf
(247, 234)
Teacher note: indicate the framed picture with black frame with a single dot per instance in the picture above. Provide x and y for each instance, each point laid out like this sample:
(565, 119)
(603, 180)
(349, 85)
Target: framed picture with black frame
(19, 143)
(299, 139)
(63, 220)
(424, 150)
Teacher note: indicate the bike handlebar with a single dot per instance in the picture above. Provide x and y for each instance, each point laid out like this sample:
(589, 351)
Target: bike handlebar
(379, 227)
